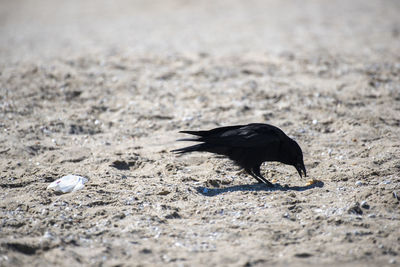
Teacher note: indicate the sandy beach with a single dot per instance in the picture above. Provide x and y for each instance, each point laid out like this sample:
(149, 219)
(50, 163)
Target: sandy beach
(101, 89)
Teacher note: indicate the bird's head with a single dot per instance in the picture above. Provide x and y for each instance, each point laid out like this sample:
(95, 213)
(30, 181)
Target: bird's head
(295, 157)
(300, 167)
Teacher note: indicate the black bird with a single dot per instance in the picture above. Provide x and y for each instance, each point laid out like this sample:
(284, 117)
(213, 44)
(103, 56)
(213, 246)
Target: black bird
(249, 146)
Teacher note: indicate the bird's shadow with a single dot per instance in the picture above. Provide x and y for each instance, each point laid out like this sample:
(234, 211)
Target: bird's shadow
(210, 192)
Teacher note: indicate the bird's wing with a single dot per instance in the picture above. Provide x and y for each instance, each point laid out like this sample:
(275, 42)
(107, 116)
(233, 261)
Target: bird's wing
(215, 131)
(252, 135)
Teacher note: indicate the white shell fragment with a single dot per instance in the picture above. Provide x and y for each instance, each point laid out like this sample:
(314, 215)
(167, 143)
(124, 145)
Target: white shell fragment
(68, 183)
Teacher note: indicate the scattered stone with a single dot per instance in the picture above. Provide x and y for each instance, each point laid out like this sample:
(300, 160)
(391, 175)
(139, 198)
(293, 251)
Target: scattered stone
(146, 251)
(303, 255)
(164, 193)
(355, 209)
(213, 182)
(119, 216)
(364, 205)
(174, 215)
(122, 165)
(359, 183)
(24, 248)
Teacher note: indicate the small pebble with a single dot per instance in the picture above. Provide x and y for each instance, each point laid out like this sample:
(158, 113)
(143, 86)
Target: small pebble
(355, 209)
(314, 122)
(48, 235)
(359, 183)
(189, 118)
(164, 193)
(364, 205)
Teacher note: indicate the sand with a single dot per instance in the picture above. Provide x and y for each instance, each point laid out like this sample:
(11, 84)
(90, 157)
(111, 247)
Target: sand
(102, 88)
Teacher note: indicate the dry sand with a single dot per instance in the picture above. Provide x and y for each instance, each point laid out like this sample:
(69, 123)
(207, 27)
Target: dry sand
(101, 89)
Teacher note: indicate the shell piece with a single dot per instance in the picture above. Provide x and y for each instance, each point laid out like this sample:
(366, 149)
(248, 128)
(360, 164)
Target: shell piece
(359, 183)
(68, 183)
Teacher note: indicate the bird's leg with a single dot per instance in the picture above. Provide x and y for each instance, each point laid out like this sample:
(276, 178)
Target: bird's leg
(254, 176)
(256, 171)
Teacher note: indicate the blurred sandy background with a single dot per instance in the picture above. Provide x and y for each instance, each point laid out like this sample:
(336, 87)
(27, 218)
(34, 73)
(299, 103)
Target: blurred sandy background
(48, 28)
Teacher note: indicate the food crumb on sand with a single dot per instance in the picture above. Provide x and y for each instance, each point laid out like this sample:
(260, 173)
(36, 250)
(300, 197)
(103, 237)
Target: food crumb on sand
(311, 182)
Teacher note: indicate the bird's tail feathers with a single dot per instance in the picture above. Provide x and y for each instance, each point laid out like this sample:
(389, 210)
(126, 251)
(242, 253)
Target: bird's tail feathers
(188, 139)
(197, 147)
(198, 133)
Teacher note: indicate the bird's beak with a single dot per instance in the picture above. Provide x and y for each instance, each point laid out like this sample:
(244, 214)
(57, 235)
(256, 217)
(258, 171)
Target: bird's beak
(300, 167)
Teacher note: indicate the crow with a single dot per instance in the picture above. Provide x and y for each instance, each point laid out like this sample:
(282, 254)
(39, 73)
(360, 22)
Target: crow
(248, 146)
